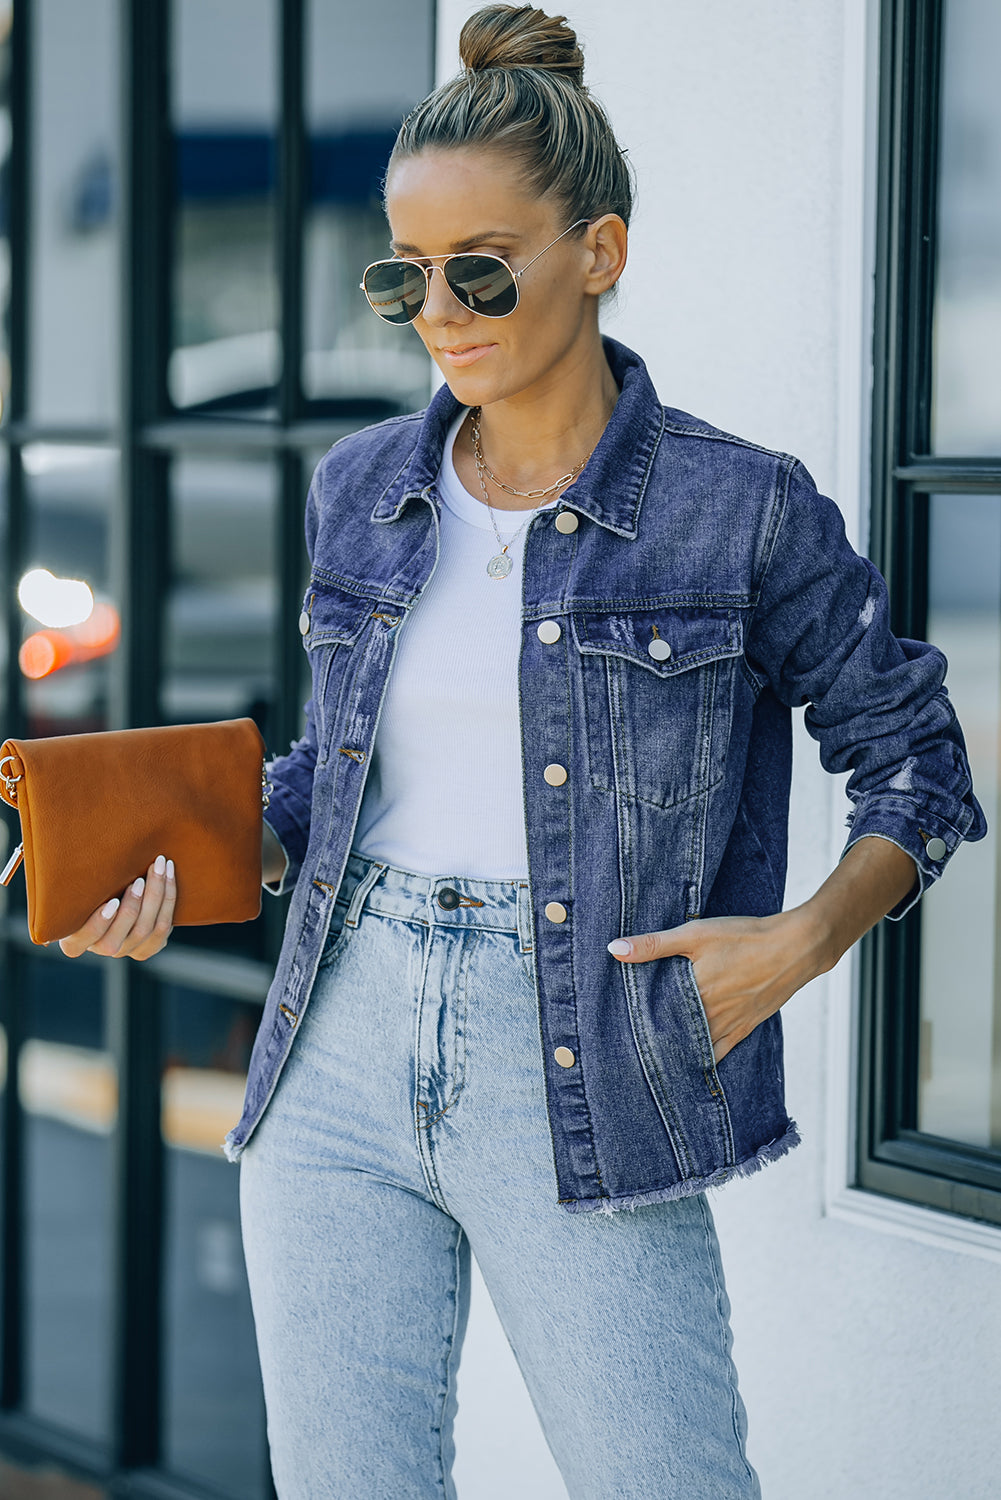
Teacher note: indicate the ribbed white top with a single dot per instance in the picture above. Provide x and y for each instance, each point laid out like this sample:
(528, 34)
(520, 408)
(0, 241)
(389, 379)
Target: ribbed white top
(444, 790)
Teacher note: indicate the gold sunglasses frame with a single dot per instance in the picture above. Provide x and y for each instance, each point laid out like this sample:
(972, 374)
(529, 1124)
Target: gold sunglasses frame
(395, 260)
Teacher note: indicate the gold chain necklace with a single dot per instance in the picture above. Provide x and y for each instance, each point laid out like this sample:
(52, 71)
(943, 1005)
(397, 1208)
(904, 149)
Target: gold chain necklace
(500, 564)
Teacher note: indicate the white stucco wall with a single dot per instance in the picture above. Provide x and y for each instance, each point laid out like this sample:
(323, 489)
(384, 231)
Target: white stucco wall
(869, 1353)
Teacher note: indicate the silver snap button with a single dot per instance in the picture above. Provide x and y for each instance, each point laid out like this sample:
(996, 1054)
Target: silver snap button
(659, 649)
(566, 522)
(556, 911)
(555, 774)
(304, 623)
(549, 632)
(564, 1057)
(936, 849)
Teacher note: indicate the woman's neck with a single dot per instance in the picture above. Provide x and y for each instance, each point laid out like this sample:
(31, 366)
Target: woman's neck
(531, 439)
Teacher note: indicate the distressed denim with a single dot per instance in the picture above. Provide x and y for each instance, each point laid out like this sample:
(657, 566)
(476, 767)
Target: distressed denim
(410, 1127)
(676, 799)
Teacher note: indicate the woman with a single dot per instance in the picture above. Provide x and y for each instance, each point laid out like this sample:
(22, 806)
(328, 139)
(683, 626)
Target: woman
(536, 833)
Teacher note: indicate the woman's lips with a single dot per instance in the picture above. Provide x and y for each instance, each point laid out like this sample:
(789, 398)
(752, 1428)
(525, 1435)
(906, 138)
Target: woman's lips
(467, 354)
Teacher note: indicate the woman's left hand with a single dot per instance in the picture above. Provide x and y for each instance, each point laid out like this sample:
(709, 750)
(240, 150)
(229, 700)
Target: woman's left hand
(745, 967)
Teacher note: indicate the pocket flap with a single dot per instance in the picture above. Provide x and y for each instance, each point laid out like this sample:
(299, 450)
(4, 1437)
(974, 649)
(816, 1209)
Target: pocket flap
(335, 616)
(693, 636)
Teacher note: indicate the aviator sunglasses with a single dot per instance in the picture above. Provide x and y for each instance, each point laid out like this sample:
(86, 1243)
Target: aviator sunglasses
(397, 289)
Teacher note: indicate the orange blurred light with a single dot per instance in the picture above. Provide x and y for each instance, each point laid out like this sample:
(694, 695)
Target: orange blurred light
(100, 632)
(44, 653)
(48, 651)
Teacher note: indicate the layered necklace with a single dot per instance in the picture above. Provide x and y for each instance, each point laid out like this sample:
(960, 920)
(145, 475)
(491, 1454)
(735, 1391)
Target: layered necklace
(500, 564)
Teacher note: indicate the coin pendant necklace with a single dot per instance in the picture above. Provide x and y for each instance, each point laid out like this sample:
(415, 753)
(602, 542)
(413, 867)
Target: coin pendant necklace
(500, 564)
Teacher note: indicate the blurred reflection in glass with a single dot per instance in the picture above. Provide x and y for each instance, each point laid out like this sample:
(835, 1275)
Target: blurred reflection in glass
(66, 645)
(366, 66)
(222, 598)
(6, 14)
(73, 278)
(213, 1412)
(221, 615)
(226, 345)
(966, 407)
(960, 1062)
(69, 1093)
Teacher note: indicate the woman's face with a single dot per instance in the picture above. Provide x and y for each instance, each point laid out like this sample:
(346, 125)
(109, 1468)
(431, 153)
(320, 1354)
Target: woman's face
(465, 200)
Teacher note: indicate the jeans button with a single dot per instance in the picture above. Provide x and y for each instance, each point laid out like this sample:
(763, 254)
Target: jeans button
(556, 911)
(564, 1057)
(936, 849)
(448, 897)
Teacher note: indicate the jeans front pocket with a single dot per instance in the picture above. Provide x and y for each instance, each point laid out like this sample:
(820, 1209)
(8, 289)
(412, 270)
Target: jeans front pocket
(337, 935)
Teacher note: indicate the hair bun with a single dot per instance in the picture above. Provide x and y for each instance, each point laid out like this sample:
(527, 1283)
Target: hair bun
(521, 36)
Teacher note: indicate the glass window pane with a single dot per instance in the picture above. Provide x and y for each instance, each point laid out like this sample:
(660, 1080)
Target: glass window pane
(74, 262)
(221, 615)
(6, 15)
(71, 625)
(68, 1090)
(366, 66)
(224, 76)
(213, 1406)
(966, 406)
(960, 1055)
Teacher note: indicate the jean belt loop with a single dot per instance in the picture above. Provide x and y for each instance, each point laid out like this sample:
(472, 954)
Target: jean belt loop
(525, 919)
(359, 893)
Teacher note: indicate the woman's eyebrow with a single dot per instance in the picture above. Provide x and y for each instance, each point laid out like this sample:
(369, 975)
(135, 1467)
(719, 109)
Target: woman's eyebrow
(398, 247)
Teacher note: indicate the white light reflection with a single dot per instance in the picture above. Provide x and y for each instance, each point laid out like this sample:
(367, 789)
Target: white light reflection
(55, 602)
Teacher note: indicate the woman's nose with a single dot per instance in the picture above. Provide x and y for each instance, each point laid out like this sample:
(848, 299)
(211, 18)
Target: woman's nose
(442, 305)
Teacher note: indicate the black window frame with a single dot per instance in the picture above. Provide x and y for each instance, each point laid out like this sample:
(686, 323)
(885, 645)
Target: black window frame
(147, 432)
(892, 1157)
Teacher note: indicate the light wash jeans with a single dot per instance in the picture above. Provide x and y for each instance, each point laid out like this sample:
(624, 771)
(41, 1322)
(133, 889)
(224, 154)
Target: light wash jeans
(409, 1126)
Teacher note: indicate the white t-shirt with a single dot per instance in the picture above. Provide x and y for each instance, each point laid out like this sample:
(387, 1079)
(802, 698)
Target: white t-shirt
(444, 790)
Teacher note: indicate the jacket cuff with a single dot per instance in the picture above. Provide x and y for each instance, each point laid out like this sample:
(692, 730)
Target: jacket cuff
(921, 833)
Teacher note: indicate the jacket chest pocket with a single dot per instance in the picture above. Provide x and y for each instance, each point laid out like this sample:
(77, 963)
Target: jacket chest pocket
(657, 690)
(335, 619)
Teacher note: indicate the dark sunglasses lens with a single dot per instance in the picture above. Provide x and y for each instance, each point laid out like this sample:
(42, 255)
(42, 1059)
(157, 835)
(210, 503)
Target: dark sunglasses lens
(395, 290)
(483, 284)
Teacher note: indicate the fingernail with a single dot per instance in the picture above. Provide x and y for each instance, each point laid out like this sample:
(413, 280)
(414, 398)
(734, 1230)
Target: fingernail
(170, 869)
(159, 865)
(138, 886)
(110, 909)
(620, 947)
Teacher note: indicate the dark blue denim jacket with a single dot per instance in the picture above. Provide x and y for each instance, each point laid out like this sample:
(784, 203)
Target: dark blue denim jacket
(676, 803)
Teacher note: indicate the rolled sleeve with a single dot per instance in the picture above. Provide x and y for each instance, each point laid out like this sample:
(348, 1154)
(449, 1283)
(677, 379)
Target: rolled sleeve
(289, 803)
(290, 776)
(875, 703)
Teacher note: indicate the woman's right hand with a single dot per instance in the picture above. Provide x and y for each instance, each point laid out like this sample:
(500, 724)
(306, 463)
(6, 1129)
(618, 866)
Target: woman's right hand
(135, 925)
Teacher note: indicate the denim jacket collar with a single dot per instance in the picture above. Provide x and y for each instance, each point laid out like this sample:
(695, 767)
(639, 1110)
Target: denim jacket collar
(611, 488)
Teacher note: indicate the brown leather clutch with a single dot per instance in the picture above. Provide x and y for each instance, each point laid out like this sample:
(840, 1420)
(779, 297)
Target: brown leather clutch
(97, 809)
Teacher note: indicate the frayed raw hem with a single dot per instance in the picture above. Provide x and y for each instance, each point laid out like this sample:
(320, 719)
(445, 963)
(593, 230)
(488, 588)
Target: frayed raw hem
(231, 1149)
(770, 1152)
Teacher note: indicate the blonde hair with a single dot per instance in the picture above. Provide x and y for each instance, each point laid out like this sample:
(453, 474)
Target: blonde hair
(522, 92)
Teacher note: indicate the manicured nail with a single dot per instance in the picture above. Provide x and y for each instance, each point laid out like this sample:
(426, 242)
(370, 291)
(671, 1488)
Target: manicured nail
(110, 909)
(170, 869)
(620, 947)
(138, 886)
(160, 864)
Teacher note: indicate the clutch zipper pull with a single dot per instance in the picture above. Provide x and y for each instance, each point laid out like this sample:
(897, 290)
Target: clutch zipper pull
(7, 874)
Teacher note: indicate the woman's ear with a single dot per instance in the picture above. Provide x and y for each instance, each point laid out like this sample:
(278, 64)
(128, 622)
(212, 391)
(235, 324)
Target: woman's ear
(607, 239)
